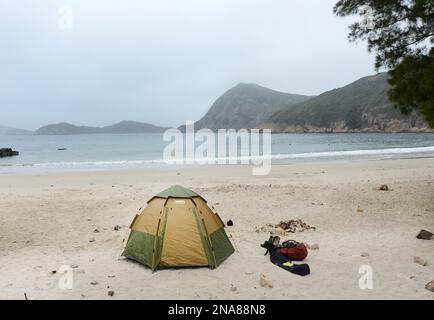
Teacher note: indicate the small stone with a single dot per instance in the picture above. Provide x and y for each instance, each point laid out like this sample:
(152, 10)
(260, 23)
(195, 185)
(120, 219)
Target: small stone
(111, 276)
(94, 283)
(117, 228)
(233, 289)
(360, 210)
(384, 187)
(364, 255)
(96, 231)
(74, 266)
(92, 240)
(111, 293)
(230, 223)
(430, 286)
(264, 282)
(314, 246)
(424, 235)
(420, 261)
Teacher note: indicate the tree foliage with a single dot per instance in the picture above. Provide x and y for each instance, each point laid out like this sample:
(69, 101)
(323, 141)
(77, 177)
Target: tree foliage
(401, 32)
(413, 85)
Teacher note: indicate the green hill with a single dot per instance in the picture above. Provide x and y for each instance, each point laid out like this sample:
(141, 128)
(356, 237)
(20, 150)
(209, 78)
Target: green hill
(360, 106)
(246, 106)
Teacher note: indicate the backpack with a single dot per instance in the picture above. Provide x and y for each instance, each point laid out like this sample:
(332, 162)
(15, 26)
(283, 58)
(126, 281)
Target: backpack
(282, 261)
(292, 250)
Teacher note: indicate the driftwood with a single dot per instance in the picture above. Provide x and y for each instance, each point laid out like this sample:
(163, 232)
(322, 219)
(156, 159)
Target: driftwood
(293, 226)
(284, 227)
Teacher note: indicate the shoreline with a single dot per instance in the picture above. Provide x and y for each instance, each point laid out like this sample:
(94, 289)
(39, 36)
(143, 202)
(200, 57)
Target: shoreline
(276, 159)
(176, 170)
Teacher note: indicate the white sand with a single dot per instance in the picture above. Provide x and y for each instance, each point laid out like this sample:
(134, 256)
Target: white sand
(44, 227)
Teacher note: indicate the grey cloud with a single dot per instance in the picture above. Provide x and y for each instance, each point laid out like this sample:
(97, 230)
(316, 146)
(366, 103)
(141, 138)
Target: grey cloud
(164, 62)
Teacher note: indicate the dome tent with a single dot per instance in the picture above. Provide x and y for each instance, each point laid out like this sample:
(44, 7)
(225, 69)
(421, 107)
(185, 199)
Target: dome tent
(178, 229)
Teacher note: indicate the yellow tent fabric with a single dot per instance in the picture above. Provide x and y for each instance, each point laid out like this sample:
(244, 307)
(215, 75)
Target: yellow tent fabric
(178, 229)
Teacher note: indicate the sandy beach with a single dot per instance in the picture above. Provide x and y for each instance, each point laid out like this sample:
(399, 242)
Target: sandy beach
(49, 220)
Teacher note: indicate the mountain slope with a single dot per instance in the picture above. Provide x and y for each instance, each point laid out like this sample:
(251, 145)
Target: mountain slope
(13, 131)
(360, 106)
(64, 128)
(246, 106)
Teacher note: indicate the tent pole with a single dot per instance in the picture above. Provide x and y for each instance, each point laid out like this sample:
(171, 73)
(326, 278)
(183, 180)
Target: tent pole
(154, 249)
(210, 243)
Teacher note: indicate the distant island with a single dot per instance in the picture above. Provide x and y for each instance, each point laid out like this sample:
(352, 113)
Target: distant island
(13, 131)
(122, 127)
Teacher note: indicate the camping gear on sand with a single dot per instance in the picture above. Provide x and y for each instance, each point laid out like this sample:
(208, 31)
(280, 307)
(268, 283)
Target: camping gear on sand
(293, 250)
(178, 229)
(283, 262)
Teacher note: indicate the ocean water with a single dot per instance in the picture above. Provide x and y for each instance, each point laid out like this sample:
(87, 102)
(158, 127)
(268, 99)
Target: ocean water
(108, 151)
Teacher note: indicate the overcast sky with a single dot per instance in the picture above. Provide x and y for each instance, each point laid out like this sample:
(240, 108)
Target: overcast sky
(163, 61)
